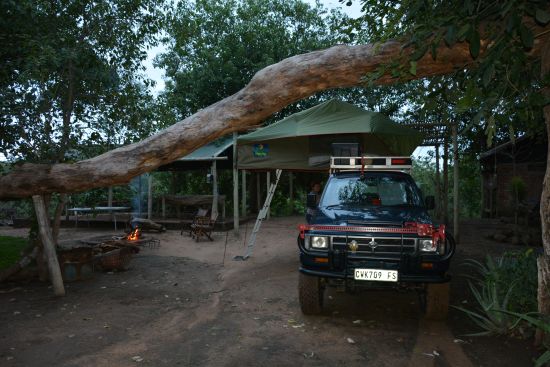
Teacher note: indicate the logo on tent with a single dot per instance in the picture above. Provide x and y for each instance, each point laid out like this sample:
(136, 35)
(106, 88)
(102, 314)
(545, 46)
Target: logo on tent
(260, 150)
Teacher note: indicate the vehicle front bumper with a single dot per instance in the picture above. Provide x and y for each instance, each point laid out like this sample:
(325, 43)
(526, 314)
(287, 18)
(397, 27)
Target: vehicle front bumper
(411, 268)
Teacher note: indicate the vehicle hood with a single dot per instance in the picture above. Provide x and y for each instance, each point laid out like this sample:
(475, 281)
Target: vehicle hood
(375, 215)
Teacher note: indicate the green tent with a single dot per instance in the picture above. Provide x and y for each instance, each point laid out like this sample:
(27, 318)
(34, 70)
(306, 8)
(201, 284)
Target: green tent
(303, 141)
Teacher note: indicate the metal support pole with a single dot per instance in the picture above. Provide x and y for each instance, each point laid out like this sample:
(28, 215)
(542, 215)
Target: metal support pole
(437, 183)
(235, 187)
(243, 193)
(456, 202)
(214, 211)
(445, 180)
(268, 178)
(150, 196)
(258, 192)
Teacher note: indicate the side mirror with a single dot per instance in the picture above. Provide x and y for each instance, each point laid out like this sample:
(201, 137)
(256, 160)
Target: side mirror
(430, 202)
(311, 201)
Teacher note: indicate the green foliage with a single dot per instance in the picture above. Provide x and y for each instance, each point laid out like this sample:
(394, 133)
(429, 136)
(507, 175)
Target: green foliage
(71, 74)
(215, 48)
(519, 188)
(540, 322)
(501, 286)
(10, 250)
(424, 174)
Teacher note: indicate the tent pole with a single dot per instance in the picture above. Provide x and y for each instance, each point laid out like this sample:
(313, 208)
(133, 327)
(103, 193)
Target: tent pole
(445, 179)
(235, 187)
(214, 211)
(268, 178)
(437, 183)
(456, 203)
(258, 192)
(243, 193)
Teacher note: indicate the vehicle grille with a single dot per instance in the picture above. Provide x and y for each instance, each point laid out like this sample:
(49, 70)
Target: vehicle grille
(376, 247)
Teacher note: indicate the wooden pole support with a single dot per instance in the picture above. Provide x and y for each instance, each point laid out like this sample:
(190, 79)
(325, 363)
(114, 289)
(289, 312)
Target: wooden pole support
(243, 193)
(235, 187)
(150, 196)
(456, 202)
(214, 211)
(48, 244)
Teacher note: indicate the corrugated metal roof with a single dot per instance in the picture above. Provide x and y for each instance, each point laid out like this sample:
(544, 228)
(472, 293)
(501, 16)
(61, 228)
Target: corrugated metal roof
(210, 151)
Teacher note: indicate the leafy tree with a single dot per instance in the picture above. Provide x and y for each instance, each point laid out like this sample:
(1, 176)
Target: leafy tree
(71, 70)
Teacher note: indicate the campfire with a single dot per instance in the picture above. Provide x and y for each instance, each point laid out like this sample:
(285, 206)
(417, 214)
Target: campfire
(134, 235)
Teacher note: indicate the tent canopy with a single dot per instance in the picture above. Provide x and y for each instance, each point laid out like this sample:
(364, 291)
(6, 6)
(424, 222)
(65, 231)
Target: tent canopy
(303, 140)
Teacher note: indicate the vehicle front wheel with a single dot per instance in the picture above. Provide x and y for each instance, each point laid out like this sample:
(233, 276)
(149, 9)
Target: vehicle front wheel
(310, 294)
(437, 301)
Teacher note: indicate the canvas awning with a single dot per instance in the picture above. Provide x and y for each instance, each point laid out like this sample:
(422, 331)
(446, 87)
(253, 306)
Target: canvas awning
(303, 140)
(217, 150)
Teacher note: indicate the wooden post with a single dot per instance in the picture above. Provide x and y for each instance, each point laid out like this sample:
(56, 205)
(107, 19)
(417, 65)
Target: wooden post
(214, 211)
(243, 193)
(150, 196)
(235, 187)
(445, 180)
(437, 184)
(110, 201)
(268, 178)
(456, 203)
(48, 244)
(163, 207)
(258, 192)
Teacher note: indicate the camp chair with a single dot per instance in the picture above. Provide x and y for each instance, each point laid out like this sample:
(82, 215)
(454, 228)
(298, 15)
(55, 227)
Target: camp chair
(203, 227)
(201, 213)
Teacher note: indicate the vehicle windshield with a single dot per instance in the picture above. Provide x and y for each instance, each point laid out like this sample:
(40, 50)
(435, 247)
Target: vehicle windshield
(375, 189)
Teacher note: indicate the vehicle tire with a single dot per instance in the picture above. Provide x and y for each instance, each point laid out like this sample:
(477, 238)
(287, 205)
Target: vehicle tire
(310, 294)
(437, 301)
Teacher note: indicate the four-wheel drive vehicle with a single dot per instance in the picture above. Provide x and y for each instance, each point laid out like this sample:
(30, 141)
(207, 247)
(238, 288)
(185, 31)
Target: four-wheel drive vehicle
(372, 230)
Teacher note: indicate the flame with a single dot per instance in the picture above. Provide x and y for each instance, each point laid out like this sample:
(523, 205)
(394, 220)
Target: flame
(134, 235)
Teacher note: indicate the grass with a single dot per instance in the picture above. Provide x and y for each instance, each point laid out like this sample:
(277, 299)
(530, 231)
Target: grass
(10, 250)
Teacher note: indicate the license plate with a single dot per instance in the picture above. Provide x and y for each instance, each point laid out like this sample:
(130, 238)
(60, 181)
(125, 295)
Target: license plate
(377, 275)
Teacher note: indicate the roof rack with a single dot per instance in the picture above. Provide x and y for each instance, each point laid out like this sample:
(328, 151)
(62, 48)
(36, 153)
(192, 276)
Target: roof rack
(341, 164)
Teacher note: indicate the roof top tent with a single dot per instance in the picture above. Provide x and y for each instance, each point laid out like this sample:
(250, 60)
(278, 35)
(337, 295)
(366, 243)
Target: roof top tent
(306, 140)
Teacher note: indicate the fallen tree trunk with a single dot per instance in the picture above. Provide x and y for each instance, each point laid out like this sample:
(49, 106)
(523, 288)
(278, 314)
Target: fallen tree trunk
(270, 90)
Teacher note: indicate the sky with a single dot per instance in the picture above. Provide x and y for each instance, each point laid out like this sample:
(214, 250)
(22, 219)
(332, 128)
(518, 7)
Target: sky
(157, 74)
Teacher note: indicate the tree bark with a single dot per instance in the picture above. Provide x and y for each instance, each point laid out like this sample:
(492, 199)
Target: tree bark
(48, 245)
(271, 89)
(543, 262)
(57, 216)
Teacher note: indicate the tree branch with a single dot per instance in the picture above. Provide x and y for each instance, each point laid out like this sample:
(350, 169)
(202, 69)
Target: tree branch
(270, 90)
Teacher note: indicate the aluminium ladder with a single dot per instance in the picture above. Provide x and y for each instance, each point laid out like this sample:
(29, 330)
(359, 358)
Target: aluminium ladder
(261, 217)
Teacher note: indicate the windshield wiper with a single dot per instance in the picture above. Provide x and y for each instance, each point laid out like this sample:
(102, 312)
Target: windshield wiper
(332, 206)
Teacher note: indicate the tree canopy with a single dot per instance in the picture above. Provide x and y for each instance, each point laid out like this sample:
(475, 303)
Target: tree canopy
(72, 74)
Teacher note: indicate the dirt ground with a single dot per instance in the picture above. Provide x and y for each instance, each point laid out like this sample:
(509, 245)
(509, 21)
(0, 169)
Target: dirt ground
(190, 304)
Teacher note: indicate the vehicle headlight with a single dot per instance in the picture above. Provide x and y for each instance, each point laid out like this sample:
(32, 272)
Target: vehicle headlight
(318, 242)
(427, 246)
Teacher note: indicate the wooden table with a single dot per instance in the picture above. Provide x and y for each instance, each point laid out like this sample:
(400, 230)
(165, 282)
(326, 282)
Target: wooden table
(98, 209)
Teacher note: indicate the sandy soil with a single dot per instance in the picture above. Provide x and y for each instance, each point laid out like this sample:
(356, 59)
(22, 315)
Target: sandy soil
(186, 304)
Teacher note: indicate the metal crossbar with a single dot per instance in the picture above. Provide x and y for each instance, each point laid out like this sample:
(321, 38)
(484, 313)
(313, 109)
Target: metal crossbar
(261, 217)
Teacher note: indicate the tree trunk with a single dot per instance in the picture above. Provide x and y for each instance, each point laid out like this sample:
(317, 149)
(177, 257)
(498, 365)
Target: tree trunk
(271, 89)
(543, 262)
(48, 245)
(57, 216)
